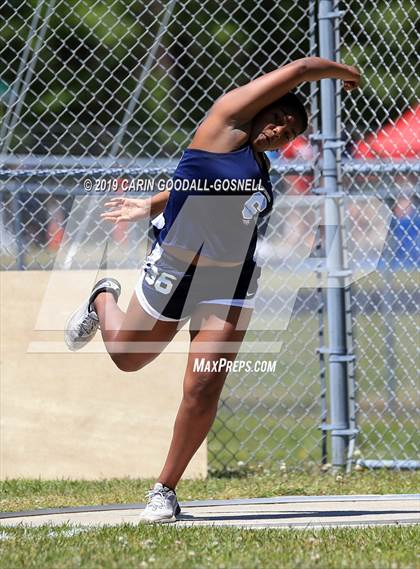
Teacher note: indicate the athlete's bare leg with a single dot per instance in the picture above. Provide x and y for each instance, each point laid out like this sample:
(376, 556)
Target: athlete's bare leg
(213, 336)
(132, 338)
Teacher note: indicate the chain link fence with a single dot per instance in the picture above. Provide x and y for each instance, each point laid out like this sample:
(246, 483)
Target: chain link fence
(381, 127)
(111, 89)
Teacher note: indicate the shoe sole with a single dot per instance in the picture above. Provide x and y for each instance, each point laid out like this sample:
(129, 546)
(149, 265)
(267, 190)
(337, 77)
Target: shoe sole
(157, 520)
(162, 520)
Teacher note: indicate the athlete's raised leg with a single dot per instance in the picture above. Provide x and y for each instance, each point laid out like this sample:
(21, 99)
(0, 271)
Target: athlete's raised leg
(132, 338)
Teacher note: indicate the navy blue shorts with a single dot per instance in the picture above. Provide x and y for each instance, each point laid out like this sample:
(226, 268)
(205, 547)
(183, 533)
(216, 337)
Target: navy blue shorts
(170, 289)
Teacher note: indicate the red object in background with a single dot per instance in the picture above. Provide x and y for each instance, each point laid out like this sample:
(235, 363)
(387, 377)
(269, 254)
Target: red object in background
(399, 140)
(55, 231)
(299, 148)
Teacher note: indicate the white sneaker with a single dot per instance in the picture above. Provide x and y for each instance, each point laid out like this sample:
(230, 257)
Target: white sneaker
(83, 324)
(162, 505)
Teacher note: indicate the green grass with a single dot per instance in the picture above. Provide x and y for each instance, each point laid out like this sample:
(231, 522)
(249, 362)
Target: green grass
(142, 547)
(168, 547)
(242, 483)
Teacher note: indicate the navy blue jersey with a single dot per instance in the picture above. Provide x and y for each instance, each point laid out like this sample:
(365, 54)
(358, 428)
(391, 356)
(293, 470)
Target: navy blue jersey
(217, 204)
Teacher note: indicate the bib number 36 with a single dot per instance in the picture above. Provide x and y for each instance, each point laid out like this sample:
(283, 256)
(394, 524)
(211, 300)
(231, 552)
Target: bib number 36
(162, 282)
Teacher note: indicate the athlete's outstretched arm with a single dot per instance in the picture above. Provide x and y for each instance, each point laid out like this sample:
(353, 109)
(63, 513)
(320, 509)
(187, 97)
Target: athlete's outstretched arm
(129, 209)
(242, 104)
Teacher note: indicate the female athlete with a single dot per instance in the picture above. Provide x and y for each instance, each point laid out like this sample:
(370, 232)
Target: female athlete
(201, 267)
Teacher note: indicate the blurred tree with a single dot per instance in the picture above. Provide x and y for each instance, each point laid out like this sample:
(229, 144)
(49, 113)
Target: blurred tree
(95, 50)
(381, 38)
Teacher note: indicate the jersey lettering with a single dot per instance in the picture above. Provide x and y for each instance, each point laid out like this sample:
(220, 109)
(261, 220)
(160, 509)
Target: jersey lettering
(253, 206)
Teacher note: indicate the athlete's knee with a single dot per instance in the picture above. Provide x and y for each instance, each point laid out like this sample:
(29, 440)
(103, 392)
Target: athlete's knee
(203, 391)
(126, 363)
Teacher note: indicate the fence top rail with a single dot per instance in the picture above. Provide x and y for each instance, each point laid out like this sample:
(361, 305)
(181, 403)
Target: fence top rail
(159, 166)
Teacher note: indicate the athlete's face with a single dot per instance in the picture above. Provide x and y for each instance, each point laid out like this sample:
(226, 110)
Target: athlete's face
(274, 127)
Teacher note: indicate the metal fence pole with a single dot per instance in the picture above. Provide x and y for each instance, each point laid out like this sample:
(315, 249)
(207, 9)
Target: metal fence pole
(315, 145)
(334, 253)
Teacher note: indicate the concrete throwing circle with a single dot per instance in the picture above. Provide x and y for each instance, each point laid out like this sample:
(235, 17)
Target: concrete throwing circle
(304, 512)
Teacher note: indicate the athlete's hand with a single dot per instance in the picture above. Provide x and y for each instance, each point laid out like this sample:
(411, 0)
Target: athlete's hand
(125, 209)
(353, 78)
